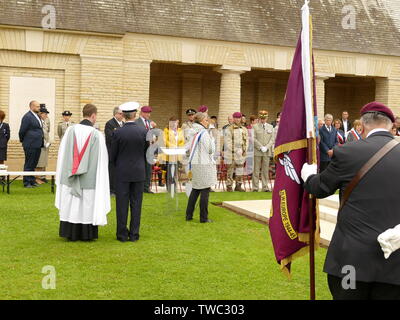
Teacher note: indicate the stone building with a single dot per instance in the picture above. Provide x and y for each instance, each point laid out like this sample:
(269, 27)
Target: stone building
(228, 54)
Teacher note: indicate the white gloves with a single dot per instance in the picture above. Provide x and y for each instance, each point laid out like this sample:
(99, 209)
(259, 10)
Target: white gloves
(308, 170)
(47, 145)
(263, 149)
(390, 240)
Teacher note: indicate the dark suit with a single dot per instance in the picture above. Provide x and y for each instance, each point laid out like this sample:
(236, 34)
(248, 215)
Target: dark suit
(4, 137)
(349, 126)
(147, 181)
(31, 136)
(109, 129)
(128, 156)
(327, 141)
(372, 208)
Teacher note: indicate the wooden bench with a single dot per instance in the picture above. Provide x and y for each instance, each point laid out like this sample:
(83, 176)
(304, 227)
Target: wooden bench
(17, 174)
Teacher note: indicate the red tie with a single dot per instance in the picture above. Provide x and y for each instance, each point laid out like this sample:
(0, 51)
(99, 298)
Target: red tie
(147, 125)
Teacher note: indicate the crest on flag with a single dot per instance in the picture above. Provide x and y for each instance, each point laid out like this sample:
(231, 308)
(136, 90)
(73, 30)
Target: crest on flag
(289, 168)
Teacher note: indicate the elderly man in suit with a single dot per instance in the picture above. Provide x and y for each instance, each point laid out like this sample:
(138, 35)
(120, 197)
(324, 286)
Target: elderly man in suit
(263, 144)
(31, 136)
(112, 125)
(328, 139)
(355, 263)
(145, 122)
(128, 156)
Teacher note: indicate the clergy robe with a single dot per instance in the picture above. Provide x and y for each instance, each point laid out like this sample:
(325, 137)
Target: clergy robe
(83, 193)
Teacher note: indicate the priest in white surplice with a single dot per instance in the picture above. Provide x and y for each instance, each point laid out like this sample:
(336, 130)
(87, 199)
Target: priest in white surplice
(83, 192)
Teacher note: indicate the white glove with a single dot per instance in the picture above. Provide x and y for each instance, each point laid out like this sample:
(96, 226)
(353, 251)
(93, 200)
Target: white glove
(390, 241)
(47, 145)
(263, 149)
(308, 170)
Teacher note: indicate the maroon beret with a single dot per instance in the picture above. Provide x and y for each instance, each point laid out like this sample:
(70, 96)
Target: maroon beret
(203, 108)
(146, 109)
(378, 107)
(237, 115)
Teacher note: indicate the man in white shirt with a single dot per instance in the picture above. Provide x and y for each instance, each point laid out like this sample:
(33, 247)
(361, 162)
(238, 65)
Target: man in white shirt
(346, 124)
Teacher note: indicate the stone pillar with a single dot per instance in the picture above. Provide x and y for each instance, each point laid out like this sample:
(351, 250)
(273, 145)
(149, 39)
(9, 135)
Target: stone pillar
(387, 91)
(191, 92)
(230, 92)
(136, 77)
(320, 89)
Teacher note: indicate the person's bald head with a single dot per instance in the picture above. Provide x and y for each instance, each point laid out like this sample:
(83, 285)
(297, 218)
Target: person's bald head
(34, 106)
(230, 119)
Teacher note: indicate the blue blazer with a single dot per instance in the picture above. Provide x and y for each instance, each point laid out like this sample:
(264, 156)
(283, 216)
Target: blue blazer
(328, 141)
(4, 134)
(30, 132)
(128, 153)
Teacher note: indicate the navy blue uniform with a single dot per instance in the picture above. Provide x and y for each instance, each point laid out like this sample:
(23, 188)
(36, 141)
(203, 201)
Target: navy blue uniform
(128, 155)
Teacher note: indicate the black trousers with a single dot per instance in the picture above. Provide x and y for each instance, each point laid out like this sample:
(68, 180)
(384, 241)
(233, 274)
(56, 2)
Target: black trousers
(148, 177)
(363, 290)
(32, 156)
(129, 194)
(194, 195)
(111, 175)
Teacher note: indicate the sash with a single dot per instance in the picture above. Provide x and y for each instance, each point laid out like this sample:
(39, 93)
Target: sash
(194, 145)
(340, 137)
(355, 134)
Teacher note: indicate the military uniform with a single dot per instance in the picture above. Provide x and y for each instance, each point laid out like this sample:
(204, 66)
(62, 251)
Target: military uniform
(263, 144)
(235, 150)
(63, 126)
(187, 126)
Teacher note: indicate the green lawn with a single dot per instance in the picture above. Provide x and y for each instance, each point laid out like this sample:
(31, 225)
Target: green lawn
(231, 258)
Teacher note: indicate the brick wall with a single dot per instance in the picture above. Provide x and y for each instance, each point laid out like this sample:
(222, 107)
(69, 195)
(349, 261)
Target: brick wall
(348, 94)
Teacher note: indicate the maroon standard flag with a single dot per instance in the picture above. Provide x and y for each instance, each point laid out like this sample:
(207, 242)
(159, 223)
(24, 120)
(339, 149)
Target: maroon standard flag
(289, 222)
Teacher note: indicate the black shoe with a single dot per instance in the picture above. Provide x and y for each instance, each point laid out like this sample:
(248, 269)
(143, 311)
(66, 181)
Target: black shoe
(189, 219)
(29, 186)
(122, 240)
(208, 220)
(134, 239)
(34, 184)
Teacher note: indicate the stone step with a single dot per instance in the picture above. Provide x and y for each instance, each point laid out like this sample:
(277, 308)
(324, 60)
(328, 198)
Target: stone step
(331, 201)
(328, 214)
(260, 211)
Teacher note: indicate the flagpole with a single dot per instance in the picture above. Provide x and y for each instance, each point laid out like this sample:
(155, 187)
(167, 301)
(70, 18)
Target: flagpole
(311, 141)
